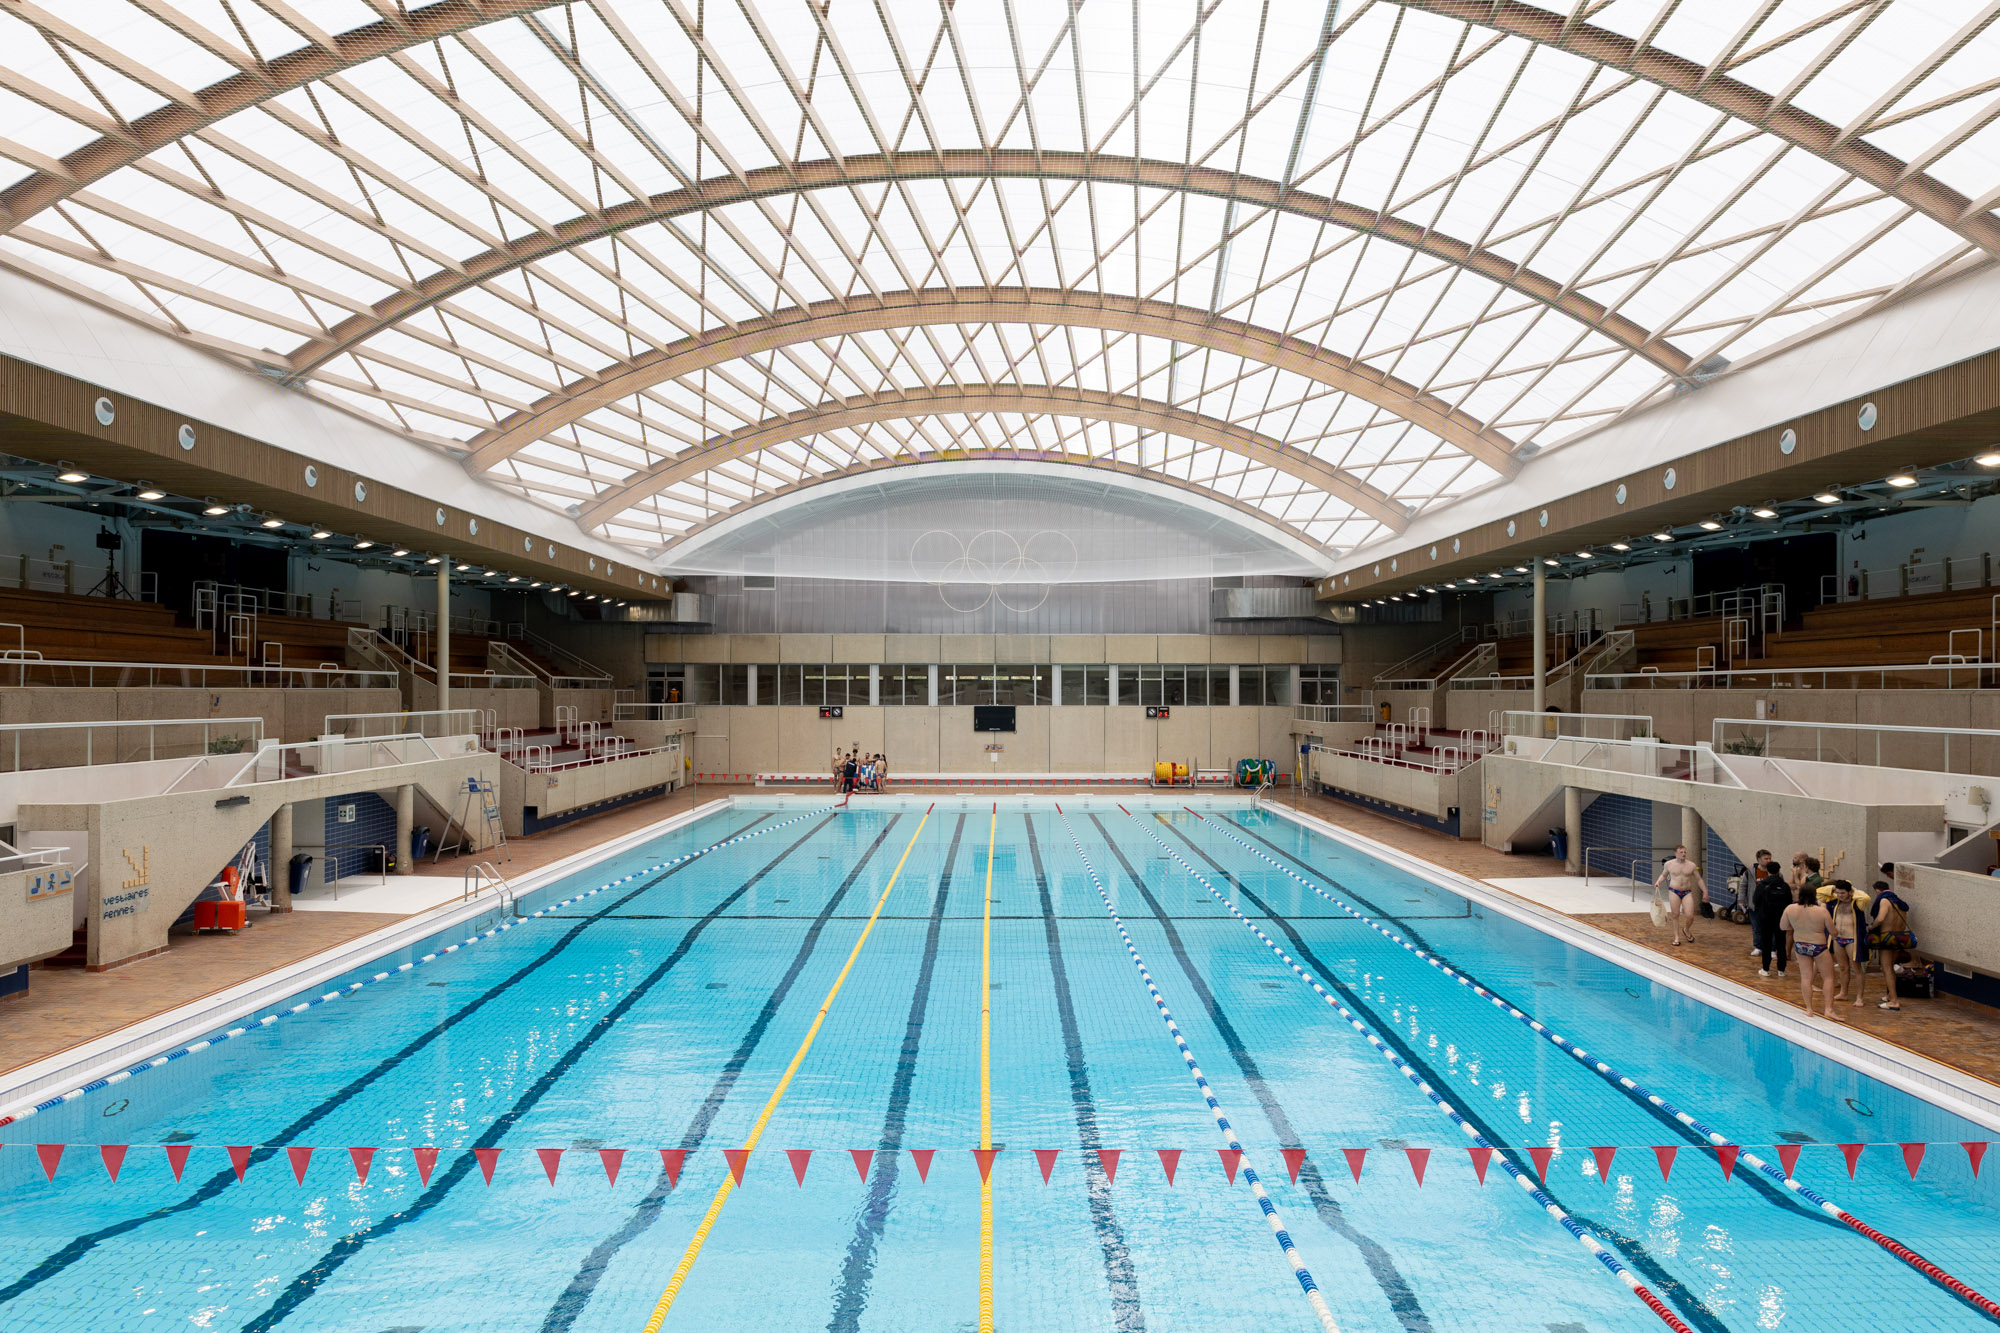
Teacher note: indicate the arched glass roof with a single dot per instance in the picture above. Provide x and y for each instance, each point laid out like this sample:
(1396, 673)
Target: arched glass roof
(649, 261)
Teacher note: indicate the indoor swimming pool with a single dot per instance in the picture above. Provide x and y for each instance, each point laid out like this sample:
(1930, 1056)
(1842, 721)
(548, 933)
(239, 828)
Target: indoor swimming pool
(994, 1065)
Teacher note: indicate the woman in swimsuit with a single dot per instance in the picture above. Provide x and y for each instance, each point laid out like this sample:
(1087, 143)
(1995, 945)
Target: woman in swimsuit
(1891, 937)
(1812, 929)
(1848, 924)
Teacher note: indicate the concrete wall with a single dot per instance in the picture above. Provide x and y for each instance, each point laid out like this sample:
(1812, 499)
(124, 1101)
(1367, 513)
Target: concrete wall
(1063, 649)
(1070, 739)
(1685, 717)
(1418, 789)
(289, 715)
(573, 788)
(35, 914)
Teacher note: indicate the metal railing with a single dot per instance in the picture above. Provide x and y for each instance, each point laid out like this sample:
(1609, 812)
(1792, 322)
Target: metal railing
(1325, 714)
(431, 723)
(1485, 655)
(36, 671)
(129, 743)
(1861, 743)
(1763, 603)
(1394, 671)
(1575, 726)
(631, 712)
(1912, 578)
(1640, 756)
(573, 667)
(13, 858)
(276, 763)
(1909, 676)
(537, 758)
(33, 574)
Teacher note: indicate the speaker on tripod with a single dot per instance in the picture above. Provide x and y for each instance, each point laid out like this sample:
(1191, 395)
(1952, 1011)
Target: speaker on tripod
(111, 542)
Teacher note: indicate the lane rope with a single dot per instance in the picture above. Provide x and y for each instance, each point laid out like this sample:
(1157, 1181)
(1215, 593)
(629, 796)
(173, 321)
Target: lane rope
(1264, 1204)
(1534, 1191)
(728, 1185)
(194, 1047)
(1605, 1071)
(986, 1086)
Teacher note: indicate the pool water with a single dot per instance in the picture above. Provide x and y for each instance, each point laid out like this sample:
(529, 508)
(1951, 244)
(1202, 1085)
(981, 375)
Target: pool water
(669, 1012)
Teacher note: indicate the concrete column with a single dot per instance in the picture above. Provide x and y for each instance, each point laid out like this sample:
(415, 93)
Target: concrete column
(1111, 684)
(406, 818)
(1541, 635)
(1235, 686)
(934, 685)
(444, 633)
(1055, 686)
(1695, 834)
(750, 683)
(874, 685)
(1573, 827)
(281, 859)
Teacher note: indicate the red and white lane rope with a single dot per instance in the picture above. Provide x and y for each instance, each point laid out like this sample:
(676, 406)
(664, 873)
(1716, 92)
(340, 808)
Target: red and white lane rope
(1521, 1178)
(349, 989)
(1605, 1071)
(1311, 1288)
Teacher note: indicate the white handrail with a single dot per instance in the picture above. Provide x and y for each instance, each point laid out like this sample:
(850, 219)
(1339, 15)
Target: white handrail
(204, 677)
(1774, 677)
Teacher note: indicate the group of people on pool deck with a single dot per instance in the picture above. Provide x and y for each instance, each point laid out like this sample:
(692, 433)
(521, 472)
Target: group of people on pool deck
(1833, 929)
(855, 771)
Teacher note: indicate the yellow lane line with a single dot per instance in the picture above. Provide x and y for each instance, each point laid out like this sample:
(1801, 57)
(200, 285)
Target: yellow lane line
(986, 1086)
(723, 1191)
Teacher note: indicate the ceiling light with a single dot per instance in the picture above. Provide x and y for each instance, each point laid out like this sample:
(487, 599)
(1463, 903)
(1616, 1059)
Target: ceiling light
(489, 574)
(1621, 546)
(1901, 479)
(1988, 460)
(400, 551)
(321, 534)
(1520, 569)
(433, 561)
(1396, 597)
(1828, 497)
(1492, 576)
(274, 522)
(150, 492)
(363, 544)
(1711, 525)
(70, 474)
(1583, 555)
(536, 584)
(1663, 536)
(513, 578)
(1764, 511)
(1548, 562)
(461, 568)
(216, 511)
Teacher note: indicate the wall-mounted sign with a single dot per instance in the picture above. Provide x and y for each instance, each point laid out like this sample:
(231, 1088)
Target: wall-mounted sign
(344, 813)
(51, 883)
(832, 711)
(1158, 711)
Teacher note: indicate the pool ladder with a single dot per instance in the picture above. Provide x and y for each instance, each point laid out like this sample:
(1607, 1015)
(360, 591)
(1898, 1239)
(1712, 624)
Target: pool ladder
(477, 876)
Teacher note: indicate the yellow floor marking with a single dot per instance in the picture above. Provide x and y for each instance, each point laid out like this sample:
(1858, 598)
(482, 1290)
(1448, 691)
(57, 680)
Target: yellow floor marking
(723, 1191)
(986, 1087)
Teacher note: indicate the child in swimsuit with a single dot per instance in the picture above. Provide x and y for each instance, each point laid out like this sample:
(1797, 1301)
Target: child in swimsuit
(1847, 927)
(1812, 928)
(1892, 938)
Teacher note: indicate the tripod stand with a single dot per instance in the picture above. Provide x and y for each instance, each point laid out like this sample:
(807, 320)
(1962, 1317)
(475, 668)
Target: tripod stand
(111, 585)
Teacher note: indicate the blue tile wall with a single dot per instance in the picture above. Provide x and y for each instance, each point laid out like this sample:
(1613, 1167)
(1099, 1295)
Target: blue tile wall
(1717, 861)
(1616, 830)
(374, 822)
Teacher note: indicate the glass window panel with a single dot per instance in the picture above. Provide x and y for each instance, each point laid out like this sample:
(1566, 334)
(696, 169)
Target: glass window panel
(1249, 686)
(1014, 685)
(700, 685)
(1128, 683)
(735, 685)
(791, 684)
(1044, 678)
(767, 683)
(1196, 686)
(1278, 685)
(1097, 685)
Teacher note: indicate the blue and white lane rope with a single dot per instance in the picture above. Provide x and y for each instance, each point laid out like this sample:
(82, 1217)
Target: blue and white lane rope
(1521, 1178)
(1277, 1224)
(656, 868)
(1609, 1074)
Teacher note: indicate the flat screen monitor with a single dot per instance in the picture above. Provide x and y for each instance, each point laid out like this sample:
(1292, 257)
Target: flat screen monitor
(993, 717)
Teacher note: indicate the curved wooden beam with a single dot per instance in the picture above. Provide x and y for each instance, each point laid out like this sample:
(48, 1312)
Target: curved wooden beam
(157, 129)
(985, 399)
(1243, 508)
(877, 168)
(1028, 305)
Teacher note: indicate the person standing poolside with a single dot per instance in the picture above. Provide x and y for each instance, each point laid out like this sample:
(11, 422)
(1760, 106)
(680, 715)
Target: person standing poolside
(1768, 903)
(1683, 879)
(1760, 866)
(1891, 937)
(1812, 930)
(1850, 925)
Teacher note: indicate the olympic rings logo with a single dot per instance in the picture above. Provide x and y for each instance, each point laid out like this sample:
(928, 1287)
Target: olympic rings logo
(993, 566)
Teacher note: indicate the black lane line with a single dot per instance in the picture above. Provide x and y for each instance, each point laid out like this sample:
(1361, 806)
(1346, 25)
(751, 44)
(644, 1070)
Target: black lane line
(1128, 1315)
(857, 1272)
(1408, 1309)
(1757, 1180)
(1633, 1250)
(214, 1185)
(302, 1287)
(575, 1297)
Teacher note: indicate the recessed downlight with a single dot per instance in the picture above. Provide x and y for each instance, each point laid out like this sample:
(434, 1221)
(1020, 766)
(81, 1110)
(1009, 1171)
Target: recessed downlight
(1583, 555)
(1828, 497)
(274, 522)
(1663, 536)
(363, 545)
(71, 475)
(1621, 546)
(1988, 460)
(1764, 511)
(434, 560)
(1901, 479)
(147, 491)
(1711, 525)
(216, 511)
(320, 534)
(400, 551)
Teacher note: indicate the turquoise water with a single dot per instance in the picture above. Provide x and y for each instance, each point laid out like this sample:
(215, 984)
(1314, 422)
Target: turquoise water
(663, 1013)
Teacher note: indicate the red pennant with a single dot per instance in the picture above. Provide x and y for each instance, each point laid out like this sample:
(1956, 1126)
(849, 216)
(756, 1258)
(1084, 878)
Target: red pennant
(863, 1159)
(301, 1158)
(1975, 1152)
(362, 1159)
(488, 1159)
(1108, 1159)
(177, 1157)
(1604, 1156)
(114, 1158)
(985, 1156)
(1726, 1154)
(611, 1159)
(738, 1159)
(551, 1161)
(922, 1157)
(1419, 1159)
(1294, 1159)
(1542, 1156)
(239, 1158)
(1852, 1152)
(1170, 1162)
(51, 1155)
(1480, 1158)
(801, 1158)
(1666, 1157)
(1788, 1157)
(1231, 1159)
(671, 1159)
(1045, 1158)
(426, 1159)
(1913, 1157)
(1355, 1157)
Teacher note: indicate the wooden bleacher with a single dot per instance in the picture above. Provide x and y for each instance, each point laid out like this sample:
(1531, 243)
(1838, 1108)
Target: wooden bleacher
(1888, 631)
(1675, 645)
(72, 628)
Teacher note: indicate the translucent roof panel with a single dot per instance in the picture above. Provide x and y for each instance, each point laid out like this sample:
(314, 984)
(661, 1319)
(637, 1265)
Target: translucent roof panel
(653, 261)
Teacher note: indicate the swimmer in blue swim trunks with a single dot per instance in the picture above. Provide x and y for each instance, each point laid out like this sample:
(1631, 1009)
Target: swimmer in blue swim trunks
(1683, 879)
(1812, 931)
